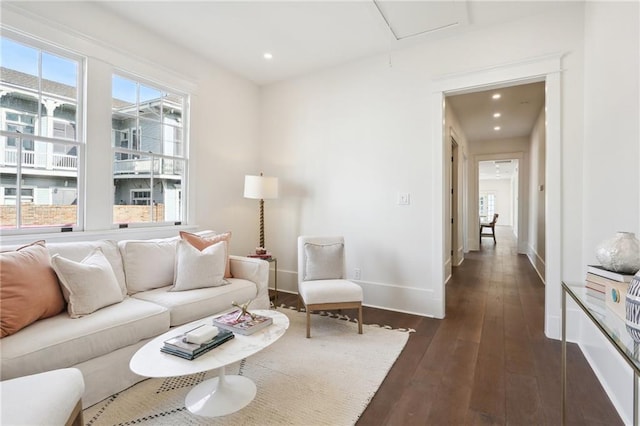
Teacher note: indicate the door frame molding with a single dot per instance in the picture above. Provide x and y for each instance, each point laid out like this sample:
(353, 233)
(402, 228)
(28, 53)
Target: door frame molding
(546, 68)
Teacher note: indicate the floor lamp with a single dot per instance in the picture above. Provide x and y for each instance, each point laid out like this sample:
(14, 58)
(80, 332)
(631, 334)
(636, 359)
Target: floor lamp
(261, 188)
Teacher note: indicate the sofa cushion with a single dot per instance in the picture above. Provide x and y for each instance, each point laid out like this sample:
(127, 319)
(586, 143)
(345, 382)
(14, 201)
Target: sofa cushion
(148, 264)
(88, 285)
(29, 288)
(186, 306)
(77, 251)
(199, 269)
(204, 239)
(61, 341)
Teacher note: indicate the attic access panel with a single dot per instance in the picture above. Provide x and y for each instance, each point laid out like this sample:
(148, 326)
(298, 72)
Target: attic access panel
(412, 18)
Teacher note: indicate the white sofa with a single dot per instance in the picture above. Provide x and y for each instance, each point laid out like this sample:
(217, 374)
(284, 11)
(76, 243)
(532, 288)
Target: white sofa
(101, 344)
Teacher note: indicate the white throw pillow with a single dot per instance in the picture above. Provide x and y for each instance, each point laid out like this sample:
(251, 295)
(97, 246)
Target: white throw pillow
(87, 285)
(148, 264)
(199, 269)
(323, 261)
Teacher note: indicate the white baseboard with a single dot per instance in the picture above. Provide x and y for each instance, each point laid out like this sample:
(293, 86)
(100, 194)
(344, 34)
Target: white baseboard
(392, 297)
(537, 262)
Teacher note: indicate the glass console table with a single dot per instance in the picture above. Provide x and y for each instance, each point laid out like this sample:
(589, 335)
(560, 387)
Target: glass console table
(611, 326)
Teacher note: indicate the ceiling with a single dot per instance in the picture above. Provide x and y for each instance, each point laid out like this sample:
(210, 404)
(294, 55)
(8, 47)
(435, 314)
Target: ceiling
(519, 107)
(499, 169)
(304, 36)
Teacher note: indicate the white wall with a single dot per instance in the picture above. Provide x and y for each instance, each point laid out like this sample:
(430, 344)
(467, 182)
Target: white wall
(537, 202)
(346, 140)
(224, 111)
(611, 156)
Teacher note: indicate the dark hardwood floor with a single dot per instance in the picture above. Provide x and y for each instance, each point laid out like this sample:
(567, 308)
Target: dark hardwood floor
(488, 361)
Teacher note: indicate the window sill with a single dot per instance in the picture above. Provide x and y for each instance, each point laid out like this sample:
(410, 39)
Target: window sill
(141, 233)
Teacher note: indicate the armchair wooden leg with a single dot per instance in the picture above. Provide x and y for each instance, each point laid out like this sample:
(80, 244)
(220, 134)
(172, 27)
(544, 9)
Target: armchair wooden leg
(360, 319)
(308, 323)
(298, 307)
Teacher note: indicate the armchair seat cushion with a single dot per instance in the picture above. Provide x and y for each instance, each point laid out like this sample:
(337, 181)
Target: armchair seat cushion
(41, 399)
(329, 291)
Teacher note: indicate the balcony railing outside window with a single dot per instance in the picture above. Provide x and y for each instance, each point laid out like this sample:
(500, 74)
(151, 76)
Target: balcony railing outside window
(43, 160)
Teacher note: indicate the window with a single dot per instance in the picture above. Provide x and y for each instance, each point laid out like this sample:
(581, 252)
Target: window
(487, 205)
(141, 198)
(149, 162)
(40, 146)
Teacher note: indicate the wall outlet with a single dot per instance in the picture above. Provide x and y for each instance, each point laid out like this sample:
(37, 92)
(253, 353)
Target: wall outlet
(356, 274)
(404, 199)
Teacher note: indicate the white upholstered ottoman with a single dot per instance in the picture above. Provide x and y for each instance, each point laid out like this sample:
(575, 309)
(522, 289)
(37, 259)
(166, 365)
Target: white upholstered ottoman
(50, 398)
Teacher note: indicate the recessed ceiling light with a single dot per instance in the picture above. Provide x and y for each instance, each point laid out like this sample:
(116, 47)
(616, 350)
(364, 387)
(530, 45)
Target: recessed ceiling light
(267, 56)
(496, 115)
(496, 96)
(496, 128)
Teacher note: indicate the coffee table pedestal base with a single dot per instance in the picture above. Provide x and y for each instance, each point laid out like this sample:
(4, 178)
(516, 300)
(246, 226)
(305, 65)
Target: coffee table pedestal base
(221, 395)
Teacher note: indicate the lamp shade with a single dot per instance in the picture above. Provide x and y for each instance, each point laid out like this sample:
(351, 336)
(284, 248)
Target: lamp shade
(260, 187)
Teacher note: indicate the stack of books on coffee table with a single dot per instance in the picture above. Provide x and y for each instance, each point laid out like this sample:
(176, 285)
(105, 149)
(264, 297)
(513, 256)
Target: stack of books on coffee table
(179, 346)
(240, 323)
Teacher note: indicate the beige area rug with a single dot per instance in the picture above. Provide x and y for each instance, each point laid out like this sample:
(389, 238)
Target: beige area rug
(326, 380)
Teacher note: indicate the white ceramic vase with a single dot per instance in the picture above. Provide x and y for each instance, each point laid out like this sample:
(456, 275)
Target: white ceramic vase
(620, 253)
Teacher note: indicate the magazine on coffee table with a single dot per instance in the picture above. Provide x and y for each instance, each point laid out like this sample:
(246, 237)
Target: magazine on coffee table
(180, 347)
(241, 324)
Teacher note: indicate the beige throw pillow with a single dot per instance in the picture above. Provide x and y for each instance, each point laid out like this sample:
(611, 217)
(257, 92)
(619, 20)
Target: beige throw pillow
(148, 264)
(87, 285)
(323, 261)
(199, 269)
(201, 243)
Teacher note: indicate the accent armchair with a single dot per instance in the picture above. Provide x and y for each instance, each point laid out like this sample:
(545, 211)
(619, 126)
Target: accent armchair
(490, 225)
(321, 278)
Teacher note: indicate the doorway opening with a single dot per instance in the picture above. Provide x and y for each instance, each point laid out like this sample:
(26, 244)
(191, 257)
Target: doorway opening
(498, 193)
(543, 69)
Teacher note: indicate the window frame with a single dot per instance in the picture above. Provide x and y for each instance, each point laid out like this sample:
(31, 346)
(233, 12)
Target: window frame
(44, 46)
(135, 132)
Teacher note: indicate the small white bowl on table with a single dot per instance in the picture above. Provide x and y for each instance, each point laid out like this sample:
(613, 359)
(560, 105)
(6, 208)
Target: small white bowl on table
(221, 395)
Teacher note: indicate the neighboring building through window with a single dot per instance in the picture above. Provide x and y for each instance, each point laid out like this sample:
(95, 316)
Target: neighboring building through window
(149, 162)
(39, 145)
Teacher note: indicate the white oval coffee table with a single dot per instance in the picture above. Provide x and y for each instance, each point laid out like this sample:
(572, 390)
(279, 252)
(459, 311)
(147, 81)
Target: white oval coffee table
(221, 395)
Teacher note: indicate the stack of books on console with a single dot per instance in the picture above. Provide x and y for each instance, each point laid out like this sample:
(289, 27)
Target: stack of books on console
(609, 287)
(196, 342)
(244, 324)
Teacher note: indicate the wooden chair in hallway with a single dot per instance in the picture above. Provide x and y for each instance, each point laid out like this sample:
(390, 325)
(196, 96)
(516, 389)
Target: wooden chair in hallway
(489, 225)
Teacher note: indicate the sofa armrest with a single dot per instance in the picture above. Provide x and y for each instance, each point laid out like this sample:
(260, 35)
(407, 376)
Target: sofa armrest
(256, 270)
